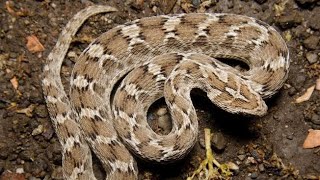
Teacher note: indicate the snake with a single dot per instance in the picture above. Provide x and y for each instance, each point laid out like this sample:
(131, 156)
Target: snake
(125, 70)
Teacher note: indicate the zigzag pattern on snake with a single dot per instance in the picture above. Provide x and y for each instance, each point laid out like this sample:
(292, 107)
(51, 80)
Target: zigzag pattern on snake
(162, 56)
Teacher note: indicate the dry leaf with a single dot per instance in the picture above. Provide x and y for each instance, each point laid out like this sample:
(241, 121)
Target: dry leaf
(318, 84)
(312, 140)
(33, 44)
(27, 111)
(14, 82)
(306, 96)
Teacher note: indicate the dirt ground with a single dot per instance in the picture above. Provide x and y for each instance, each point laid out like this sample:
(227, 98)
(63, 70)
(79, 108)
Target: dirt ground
(261, 148)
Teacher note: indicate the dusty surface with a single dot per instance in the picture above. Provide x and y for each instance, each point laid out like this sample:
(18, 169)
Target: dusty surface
(263, 148)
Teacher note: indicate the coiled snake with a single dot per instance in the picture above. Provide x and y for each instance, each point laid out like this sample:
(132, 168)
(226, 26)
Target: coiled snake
(154, 57)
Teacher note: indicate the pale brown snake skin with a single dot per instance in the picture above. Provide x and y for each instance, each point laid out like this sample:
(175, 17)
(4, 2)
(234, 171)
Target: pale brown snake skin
(158, 56)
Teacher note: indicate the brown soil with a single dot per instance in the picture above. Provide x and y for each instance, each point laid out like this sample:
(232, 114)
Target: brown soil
(264, 148)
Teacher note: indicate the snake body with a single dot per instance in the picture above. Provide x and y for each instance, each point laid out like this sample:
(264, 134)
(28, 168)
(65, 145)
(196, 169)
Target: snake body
(161, 56)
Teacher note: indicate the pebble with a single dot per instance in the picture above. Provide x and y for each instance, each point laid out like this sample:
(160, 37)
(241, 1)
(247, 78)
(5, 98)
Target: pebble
(290, 136)
(162, 111)
(254, 175)
(300, 80)
(291, 92)
(37, 130)
(241, 157)
(314, 22)
(165, 124)
(315, 119)
(27, 155)
(312, 57)
(20, 170)
(219, 142)
(261, 167)
(311, 42)
(196, 3)
(250, 160)
(41, 111)
(291, 20)
(232, 166)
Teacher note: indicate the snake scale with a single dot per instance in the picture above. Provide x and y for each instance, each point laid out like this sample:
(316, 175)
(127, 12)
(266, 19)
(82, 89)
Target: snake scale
(161, 56)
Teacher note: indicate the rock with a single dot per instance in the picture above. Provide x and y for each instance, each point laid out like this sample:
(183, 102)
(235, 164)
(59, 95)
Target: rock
(254, 175)
(311, 42)
(232, 166)
(314, 22)
(291, 92)
(41, 111)
(37, 130)
(165, 124)
(27, 155)
(290, 136)
(312, 57)
(315, 119)
(241, 157)
(162, 111)
(300, 80)
(219, 142)
(196, 3)
(261, 168)
(20, 170)
(288, 21)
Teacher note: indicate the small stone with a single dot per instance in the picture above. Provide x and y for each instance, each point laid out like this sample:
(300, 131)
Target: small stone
(41, 111)
(219, 142)
(250, 160)
(311, 42)
(261, 168)
(315, 119)
(20, 170)
(27, 155)
(312, 57)
(254, 175)
(72, 54)
(232, 166)
(165, 124)
(291, 20)
(290, 136)
(291, 92)
(162, 111)
(314, 22)
(37, 130)
(241, 157)
(196, 3)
